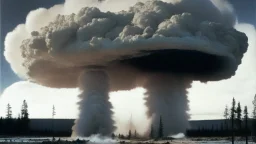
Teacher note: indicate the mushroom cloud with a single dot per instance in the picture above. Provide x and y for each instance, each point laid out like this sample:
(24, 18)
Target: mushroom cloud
(161, 46)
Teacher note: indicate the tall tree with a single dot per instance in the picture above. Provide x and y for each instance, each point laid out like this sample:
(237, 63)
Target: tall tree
(233, 111)
(160, 129)
(24, 110)
(9, 112)
(152, 132)
(239, 116)
(53, 114)
(135, 134)
(254, 108)
(246, 123)
(24, 120)
(254, 116)
(9, 127)
(226, 116)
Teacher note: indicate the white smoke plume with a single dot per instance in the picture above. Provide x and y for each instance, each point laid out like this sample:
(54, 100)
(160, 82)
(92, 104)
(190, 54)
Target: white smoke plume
(95, 109)
(183, 39)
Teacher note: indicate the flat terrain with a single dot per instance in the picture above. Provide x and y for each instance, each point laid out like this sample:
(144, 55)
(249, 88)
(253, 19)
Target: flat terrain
(110, 141)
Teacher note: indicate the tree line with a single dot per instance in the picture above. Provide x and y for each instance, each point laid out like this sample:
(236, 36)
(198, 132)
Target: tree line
(236, 123)
(15, 126)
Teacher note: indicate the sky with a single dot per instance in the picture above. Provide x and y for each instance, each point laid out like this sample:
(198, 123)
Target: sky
(207, 101)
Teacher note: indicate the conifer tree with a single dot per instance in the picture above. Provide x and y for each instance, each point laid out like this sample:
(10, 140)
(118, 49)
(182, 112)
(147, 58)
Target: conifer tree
(53, 114)
(160, 129)
(233, 111)
(24, 118)
(239, 116)
(254, 108)
(254, 116)
(9, 112)
(24, 110)
(9, 121)
(246, 123)
(226, 116)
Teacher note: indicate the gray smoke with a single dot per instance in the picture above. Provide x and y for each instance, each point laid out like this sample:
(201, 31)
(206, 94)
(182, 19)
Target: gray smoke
(167, 97)
(161, 46)
(95, 109)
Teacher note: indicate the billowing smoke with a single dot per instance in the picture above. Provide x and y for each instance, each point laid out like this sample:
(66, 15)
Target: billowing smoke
(161, 46)
(95, 116)
(167, 97)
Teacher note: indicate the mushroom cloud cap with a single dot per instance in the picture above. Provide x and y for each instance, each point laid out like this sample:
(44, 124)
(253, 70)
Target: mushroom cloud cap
(195, 39)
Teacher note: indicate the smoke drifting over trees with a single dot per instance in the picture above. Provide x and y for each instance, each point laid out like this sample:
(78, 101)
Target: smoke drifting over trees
(161, 46)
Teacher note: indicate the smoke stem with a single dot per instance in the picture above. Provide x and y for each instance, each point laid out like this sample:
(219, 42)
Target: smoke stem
(167, 97)
(95, 109)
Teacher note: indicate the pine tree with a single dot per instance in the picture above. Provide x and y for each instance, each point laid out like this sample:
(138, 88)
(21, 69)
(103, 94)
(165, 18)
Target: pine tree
(152, 132)
(24, 110)
(135, 134)
(160, 129)
(9, 112)
(254, 116)
(226, 116)
(53, 114)
(9, 125)
(233, 110)
(24, 119)
(239, 116)
(254, 108)
(246, 123)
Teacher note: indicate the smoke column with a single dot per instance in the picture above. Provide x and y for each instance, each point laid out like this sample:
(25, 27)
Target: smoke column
(167, 97)
(95, 109)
